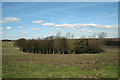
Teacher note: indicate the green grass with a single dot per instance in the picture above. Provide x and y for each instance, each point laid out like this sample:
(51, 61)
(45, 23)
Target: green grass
(17, 64)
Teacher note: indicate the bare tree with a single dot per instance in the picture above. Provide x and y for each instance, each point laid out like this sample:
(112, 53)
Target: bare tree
(70, 42)
(101, 40)
(94, 35)
(102, 35)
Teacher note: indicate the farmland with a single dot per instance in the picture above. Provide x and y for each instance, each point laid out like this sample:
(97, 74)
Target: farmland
(17, 64)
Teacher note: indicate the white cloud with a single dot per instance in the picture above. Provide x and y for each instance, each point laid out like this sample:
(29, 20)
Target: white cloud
(23, 32)
(1, 28)
(10, 20)
(71, 26)
(58, 28)
(20, 27)
(36, 29)
(89, 31)
(38, 21)
(85, 30)
(8, 27)
(64, 25)
(51, 32)
(52, 29)
(98, 26)
(48, 24)
(11, 36)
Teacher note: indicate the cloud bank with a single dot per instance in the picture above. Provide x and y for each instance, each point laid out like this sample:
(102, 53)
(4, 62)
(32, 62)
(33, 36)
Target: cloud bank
(35, 29)
(48, 24)
(78, 25)
(38, 21)
(10, 20)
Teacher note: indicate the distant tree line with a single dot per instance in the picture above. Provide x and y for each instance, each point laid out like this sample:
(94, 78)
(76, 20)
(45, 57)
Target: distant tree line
(7, 40)
(59, 45)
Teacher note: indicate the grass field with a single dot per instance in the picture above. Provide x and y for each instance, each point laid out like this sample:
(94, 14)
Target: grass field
(17, 64)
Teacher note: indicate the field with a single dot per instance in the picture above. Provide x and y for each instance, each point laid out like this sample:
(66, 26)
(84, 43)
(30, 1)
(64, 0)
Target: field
(17, 64)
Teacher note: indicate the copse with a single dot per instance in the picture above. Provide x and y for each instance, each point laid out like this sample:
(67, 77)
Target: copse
(21, 43)
(59, 45)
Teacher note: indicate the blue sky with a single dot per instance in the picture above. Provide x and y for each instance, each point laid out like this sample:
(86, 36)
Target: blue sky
(41, 19)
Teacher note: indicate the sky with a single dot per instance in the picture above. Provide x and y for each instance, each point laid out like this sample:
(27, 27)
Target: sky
(41, 19)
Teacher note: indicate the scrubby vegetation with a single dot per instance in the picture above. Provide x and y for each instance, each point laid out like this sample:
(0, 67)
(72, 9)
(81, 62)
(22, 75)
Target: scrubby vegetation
(59, 45)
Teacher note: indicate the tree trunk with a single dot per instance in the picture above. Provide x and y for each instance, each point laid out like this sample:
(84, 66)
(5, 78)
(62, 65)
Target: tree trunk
(53, 52)
(43, 51)
(47, 51)
(69, 51)
(74, 51)
(63, 51)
